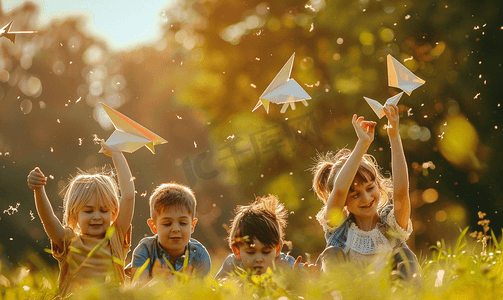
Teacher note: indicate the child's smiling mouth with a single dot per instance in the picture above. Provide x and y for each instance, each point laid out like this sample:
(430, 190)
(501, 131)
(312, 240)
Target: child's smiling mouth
(369, 205)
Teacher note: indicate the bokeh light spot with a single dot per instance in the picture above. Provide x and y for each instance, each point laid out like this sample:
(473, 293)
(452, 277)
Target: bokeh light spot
(26, 106)
(441, 216)
(430, 195)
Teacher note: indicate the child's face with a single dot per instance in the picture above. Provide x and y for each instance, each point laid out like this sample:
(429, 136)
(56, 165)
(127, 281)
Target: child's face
(256, 257)
(363, 198)
(173, 226)
(94, 219)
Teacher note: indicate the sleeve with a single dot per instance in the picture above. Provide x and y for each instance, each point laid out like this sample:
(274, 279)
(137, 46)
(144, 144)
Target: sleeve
(140, 255)
(60, 253)
(226, 268)
(400, 233)
(202, 261)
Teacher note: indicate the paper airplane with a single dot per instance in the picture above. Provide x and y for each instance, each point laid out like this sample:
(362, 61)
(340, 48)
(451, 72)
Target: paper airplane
(378, 108)
(283, 90)
(11, 35)
(401, 77)
(129, 136)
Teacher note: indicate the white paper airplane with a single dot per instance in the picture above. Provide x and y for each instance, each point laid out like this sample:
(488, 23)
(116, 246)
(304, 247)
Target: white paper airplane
(401, 77)
(378, 108)
(11, 35)
(129, 136)
(283, 90)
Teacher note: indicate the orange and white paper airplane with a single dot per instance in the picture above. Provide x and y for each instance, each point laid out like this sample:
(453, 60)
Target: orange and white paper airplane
(283, 90)
(378, 108)
(11, 35)
(129, 136)
(401, 77)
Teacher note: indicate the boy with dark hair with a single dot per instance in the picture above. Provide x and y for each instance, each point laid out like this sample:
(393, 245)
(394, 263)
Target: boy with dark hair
(172, 221)
(256, 237)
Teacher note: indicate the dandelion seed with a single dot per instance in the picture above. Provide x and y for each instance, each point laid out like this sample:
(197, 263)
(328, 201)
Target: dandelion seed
(195, 145)
(11, 239)
(312, 27)
(71, 62)
(496, 127)
(80, 98)
(181, 63)
(299, 131)
(261, 175)
(425, 116)
(410, 58)
(476, 96)
(291, 173)
(61, 44)
(214, 205)
(32, 216)
(144, 194)
(57, 120)
(485, 81)
(441, 136)
(178, 117)
(230, 137)
(18, 97)
(253, 86)
(52, 150)
(407, 17)
(445, 124)
(257, 58)
(50, 176)
(12, 210)
(409, 112)
(259, 32)
(26, 288)
(301, 199)
(80, 141)
(476, 27)
(307, 6)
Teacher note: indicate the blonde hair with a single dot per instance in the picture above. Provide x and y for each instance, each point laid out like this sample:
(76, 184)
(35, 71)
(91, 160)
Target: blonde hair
(172, 194)
(328, 165)
(82, 188)
(264, 219)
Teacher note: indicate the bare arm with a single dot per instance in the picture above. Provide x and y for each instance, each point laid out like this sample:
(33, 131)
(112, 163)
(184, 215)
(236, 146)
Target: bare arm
(342, 182)
(52, 225)
(401, 200)
(126, 186)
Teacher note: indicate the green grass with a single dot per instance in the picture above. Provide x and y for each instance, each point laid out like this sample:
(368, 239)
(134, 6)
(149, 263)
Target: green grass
(464, 270)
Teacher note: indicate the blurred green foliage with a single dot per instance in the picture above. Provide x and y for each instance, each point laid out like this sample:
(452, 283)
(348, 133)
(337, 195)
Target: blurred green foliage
(197, 86)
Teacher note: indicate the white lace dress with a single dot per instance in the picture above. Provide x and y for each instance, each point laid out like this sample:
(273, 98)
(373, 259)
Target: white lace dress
(366, 247)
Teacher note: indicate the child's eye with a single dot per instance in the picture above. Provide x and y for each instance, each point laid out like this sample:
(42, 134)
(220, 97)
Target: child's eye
(354, 196)
(183, 223)
(266, 252)
(166, 224)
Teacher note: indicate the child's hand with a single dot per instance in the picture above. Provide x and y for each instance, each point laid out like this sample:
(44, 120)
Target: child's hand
(160, 271)
(311, 268)
(391, 112)
(107, 149)
(36, 179)
(364, 129)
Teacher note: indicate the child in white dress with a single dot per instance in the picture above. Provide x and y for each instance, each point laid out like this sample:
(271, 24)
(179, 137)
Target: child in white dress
(360, 224)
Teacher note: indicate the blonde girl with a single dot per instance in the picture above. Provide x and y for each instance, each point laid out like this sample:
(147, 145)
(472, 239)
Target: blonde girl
(360, 224)
(91, 206)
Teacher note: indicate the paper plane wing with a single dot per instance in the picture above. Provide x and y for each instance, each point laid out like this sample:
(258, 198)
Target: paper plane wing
(290, 91)
(135, 132)
(394, 100)
(376, 107)
(282, 77)
(401, 77)
(126, 142)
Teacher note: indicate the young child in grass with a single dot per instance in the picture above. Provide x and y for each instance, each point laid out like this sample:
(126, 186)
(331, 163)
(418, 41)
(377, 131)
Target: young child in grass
(91, 206)
(256, 237)
(172, 221)
(360, 224)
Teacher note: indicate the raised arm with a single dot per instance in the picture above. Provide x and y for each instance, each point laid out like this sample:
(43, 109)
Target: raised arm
(401, 200)
(344, 178)
(52, 225)
(126, 186)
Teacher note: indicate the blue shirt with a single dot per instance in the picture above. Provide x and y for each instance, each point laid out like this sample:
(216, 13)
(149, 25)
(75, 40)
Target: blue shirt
(149, 247)
(232, 263)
